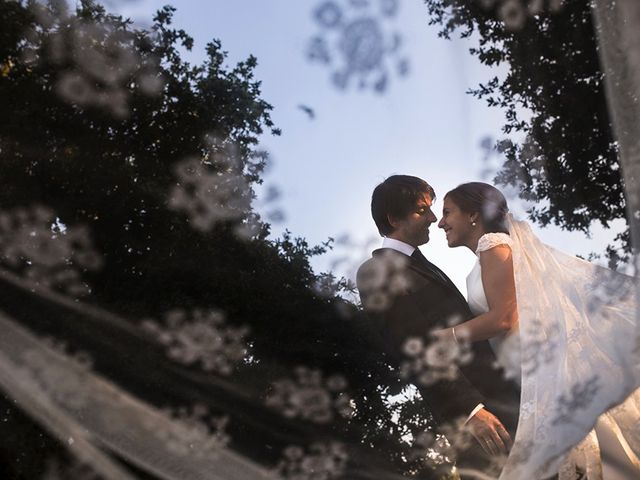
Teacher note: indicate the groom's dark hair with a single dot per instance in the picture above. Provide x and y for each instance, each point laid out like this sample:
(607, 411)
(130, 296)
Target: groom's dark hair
(397, 197)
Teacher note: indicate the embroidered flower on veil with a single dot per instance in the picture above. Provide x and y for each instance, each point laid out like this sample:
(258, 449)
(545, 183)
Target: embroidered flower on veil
(194, 431)
(310, 396)
(320, 461)
(35, 244)
(201, 337)
(438, 360)
(384, 280)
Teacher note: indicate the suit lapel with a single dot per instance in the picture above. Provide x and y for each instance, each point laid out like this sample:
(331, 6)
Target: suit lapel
(426, 270)
(429, 270)
(450, 283)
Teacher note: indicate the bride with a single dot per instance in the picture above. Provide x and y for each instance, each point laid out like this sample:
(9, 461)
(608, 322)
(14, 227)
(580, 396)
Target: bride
(574, 352)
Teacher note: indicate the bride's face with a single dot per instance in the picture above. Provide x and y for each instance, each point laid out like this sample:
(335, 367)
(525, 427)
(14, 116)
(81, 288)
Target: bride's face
(456, 224)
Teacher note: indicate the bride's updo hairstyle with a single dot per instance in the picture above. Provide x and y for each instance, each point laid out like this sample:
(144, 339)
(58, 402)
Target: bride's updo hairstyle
(484, 199)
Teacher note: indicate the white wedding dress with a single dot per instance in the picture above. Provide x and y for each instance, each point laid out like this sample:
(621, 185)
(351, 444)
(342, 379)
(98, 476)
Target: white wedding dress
(575, 354)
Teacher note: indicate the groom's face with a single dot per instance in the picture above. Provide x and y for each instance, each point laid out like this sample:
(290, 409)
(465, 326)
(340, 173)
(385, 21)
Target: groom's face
(414, 228)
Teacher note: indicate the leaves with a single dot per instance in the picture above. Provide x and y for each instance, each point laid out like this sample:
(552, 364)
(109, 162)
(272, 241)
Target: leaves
(553, 98)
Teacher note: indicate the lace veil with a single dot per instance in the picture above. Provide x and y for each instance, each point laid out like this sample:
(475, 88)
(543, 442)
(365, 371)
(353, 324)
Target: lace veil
(95, 417)
(95, 399)
(578, 350)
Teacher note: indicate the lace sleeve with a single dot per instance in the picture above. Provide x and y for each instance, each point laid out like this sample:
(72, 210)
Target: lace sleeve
(490, 240)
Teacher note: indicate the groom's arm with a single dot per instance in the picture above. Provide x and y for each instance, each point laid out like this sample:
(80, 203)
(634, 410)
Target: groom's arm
(448, 398)
(413, 312)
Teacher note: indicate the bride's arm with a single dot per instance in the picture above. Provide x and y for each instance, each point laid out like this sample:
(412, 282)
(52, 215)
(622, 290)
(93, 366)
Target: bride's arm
(500, 290)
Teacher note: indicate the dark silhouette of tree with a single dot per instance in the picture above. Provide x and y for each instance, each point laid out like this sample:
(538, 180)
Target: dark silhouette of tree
(553, 96)
(99, 145)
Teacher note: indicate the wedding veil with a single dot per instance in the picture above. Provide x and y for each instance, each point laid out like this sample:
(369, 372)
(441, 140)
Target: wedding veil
(106, 401)
(95, 417)
(578, 352)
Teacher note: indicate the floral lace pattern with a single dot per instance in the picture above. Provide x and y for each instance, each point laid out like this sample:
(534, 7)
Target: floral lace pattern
(355, 41)
(435, 361)
(201, 337)
(311, 397)
(559, 326)
(103, 66)
(194, 432)
(493, 239)
(36, 245)
(320, 461)
(384, 280)
(82, 408)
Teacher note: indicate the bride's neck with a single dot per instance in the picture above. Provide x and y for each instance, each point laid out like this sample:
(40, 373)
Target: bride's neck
(474, 238)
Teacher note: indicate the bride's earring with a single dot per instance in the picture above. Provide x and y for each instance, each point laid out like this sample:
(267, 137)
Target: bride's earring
(473, 224)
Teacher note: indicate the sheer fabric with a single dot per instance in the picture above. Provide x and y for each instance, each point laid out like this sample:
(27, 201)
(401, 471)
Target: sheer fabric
(577, 350)
(94, 398)
(96, 417)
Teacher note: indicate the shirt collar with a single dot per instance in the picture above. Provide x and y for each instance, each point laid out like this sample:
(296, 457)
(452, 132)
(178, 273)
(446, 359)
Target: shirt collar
(398, 246)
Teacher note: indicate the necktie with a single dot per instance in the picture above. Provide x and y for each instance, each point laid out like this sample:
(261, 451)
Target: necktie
(417, 254)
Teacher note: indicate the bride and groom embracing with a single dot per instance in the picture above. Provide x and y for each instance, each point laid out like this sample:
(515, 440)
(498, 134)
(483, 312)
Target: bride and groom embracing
(550, 385)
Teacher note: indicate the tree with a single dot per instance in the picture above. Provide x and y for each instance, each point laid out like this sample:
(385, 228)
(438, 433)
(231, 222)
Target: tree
(553, 96)
(128, 177)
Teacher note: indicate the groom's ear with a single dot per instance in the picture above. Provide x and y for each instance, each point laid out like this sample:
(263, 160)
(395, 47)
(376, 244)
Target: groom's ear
(393, 221)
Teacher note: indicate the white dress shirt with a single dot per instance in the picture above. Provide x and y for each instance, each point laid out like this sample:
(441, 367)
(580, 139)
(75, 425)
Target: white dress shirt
(398, 245)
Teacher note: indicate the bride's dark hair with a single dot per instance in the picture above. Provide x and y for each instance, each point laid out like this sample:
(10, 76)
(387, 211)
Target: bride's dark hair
(484, 199)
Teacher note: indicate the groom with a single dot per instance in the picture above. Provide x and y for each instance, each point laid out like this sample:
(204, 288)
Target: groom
(408, 296)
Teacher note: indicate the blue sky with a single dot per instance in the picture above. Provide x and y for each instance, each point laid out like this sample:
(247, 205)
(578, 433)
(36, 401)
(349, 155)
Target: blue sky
(326, 167)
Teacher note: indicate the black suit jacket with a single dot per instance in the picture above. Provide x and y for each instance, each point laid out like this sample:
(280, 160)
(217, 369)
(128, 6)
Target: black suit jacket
(406, 298)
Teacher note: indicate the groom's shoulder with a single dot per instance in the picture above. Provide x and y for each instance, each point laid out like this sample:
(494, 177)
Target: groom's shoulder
(385, 268)
(382, 279)
(384, 261)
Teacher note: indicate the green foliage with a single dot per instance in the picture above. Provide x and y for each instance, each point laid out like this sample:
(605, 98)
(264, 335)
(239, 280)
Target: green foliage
(115, 174)
(112, 171)
(553, 97)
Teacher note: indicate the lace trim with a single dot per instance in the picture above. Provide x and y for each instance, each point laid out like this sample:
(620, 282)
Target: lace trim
(493, 239)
